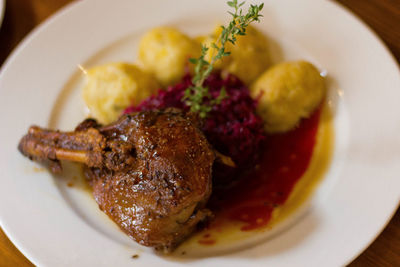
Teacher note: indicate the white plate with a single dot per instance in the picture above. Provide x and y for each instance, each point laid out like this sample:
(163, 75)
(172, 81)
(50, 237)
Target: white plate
(2, 9)
(54, 225)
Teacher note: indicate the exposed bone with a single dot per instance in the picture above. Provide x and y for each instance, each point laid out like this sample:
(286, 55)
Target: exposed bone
(224, 159)
(81, 146)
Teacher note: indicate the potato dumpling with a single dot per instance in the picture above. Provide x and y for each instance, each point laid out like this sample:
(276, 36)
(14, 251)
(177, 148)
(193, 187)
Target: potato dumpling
(249, 56)
(165, 52)
(288, 92)
(112, 87)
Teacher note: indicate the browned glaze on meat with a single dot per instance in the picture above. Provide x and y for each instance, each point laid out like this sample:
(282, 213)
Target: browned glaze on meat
(150, 171)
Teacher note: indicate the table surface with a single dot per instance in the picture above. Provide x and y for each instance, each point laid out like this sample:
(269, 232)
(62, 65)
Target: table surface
(383, 16)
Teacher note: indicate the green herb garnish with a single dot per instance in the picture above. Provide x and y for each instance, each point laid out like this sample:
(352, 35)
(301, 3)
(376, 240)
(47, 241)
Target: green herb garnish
(198, 96)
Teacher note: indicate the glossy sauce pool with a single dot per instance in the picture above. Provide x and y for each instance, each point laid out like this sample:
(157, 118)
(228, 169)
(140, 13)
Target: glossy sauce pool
(290, 169)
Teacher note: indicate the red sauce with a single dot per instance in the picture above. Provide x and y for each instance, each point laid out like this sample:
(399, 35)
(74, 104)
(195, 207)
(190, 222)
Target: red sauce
(254, 198)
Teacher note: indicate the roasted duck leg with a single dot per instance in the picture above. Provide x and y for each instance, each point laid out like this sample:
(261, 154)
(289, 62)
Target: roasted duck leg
(150, 171)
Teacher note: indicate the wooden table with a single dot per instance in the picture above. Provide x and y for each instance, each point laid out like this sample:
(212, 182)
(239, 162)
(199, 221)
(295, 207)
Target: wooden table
(383, 16)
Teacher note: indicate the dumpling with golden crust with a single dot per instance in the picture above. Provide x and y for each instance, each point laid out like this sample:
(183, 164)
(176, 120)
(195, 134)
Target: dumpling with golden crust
(112, 87)
(249, 56)
(288, 92)
(165, 52)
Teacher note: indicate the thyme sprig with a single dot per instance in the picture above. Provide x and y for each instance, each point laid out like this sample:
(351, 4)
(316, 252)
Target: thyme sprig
(198, 96)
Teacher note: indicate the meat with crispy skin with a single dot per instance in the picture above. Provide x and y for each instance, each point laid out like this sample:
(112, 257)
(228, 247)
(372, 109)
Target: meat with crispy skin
(150, 171)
